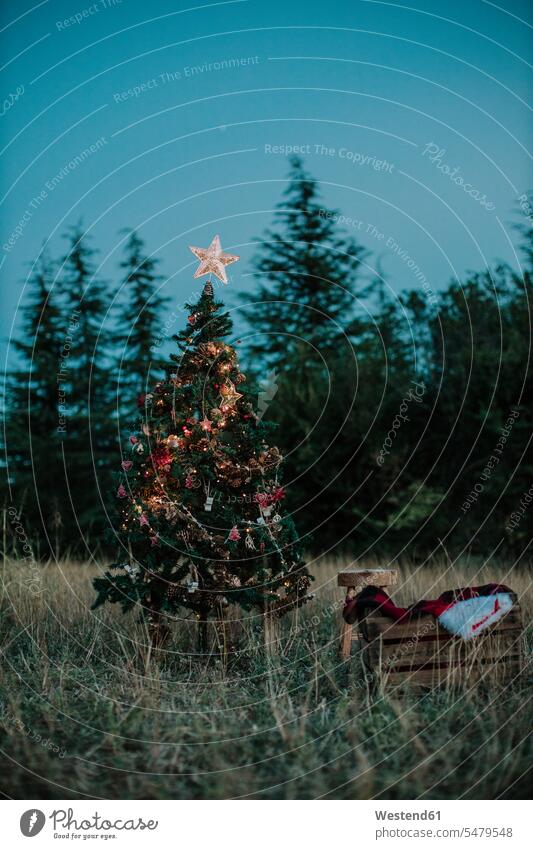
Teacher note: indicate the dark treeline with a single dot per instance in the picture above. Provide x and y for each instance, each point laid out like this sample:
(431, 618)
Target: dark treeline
(84, 361)
(406, 420)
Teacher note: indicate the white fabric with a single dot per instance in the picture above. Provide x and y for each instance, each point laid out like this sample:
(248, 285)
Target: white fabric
(468, 618)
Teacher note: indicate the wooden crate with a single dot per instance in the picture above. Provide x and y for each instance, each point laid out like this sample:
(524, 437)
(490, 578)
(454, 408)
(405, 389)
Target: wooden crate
(419, 653)
(353, 583)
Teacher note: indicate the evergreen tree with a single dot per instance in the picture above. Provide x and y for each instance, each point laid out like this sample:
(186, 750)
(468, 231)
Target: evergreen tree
(311, 269)
(200, 493)
(391, 408)
(480, 361)
(31, 401)
(88, 403)
(139, 322)
(304, 324)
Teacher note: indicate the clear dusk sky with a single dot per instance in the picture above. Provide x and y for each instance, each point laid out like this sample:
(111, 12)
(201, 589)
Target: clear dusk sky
(176, 117)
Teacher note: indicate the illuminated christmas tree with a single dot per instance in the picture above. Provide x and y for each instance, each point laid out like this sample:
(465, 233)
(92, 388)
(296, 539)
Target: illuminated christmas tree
(200, 496)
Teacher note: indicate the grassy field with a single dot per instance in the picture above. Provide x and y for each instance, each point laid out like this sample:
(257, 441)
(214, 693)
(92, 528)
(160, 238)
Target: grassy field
(87, 712)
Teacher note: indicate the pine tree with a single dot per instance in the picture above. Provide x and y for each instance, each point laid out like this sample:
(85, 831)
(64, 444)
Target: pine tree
(31, 442)
(88, 402)
(139, 322)
(311, 269)
(200, 494)
(304, 322)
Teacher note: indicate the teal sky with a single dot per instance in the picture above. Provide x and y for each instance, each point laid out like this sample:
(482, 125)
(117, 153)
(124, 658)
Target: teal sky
(190, 109)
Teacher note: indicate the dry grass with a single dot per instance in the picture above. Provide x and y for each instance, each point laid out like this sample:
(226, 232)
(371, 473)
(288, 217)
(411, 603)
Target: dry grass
(86, 711)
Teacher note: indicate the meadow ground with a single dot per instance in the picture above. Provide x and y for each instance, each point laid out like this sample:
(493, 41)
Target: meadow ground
(86, 712)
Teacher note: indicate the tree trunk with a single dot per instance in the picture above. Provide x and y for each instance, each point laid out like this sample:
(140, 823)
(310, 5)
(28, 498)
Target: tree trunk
(158, 629)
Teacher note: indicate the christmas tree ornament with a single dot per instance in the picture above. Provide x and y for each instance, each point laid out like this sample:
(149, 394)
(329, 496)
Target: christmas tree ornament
(171, 511)
(209, 499)
(126, 465)
(161, 456)
(213, 260)
(234, 534)
(130, 570)
(229, 394)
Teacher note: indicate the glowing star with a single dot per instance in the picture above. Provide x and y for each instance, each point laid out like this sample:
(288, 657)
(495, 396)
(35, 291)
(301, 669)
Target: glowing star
(229, 393)
(205, 424)
(213, 260)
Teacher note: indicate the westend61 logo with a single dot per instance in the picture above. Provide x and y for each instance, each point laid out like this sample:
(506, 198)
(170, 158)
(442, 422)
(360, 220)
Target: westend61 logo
(65, 824)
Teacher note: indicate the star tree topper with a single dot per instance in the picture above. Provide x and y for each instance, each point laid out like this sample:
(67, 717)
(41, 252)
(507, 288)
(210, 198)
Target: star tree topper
(213, 260)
